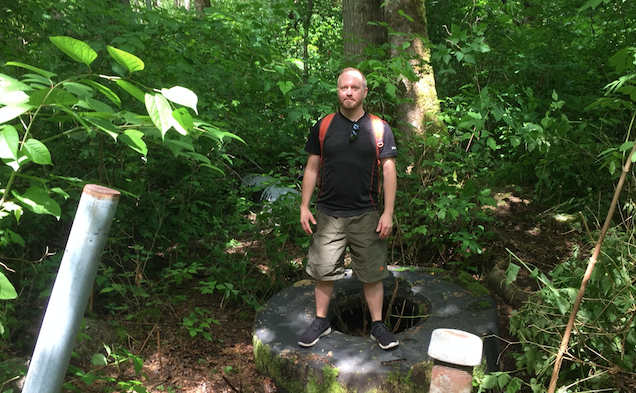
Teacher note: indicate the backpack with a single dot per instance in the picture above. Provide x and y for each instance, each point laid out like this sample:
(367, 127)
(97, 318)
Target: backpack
(377, 125)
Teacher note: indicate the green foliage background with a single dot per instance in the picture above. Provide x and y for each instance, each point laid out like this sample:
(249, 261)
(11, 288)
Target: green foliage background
(536, 95)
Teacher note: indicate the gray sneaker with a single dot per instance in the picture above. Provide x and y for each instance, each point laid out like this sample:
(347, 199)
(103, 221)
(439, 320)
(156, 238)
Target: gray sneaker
(384, 337)
(314, 332)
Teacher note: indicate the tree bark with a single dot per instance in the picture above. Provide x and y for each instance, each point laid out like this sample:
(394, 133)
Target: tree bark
(357, 33)
(419, 115)
(201, 4)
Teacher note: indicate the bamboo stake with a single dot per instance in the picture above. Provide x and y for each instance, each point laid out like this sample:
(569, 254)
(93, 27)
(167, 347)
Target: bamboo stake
(588, 273)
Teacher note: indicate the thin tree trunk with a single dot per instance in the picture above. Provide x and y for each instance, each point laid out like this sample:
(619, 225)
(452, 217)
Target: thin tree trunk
(310, 12)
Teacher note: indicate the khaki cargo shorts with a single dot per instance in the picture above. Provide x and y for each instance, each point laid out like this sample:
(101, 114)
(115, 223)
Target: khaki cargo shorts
(330, 239)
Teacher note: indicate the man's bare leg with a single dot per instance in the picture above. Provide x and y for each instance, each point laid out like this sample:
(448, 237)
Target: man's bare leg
(374, 293)
(323, 291)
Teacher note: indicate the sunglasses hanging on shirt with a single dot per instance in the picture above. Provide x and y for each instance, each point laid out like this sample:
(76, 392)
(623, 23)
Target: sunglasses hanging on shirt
(354, 133)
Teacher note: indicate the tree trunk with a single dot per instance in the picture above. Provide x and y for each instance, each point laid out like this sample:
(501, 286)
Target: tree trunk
(419, 115)
(201, 4)
(358, 34)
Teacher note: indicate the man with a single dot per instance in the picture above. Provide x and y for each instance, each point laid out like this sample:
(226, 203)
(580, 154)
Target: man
(346, 170)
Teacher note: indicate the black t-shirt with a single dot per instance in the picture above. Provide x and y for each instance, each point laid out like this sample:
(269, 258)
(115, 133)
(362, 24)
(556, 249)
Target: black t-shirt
(348, 177)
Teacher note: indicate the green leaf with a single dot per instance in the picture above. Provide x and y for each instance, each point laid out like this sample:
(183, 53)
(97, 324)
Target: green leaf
(40, 71)
(7, 290)
(8, 113)
(99, 359)
(9, 143)
(131, 89)
(591, 3)
(12, 91)
(78, 89)
(491, 143)
(176, 146)
(182, 96)
(182, 121)
(160, 112)
(626, 146)
(104, 90)
(105, 126)
(197, 157)
(37, 152)
(52, 96)
(130, 61)
(38, 201)
(132, 138)
(15, 238)
(285, 87)
(634, 157)
(75, 49)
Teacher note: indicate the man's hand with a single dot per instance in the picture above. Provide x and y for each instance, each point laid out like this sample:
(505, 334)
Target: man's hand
(385, 225)
(306, 219)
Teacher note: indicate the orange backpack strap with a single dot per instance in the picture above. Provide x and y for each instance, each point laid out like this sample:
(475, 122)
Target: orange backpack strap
(324, 126)
(377, 125)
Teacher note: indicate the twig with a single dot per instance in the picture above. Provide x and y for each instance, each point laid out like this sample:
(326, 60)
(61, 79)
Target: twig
(388, 310)
(230, 384)
(159, 349)
(148, 337)
(397, 324)
(587, 229)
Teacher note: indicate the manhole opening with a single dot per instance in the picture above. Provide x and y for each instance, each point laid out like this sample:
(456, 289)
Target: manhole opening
(351, 314)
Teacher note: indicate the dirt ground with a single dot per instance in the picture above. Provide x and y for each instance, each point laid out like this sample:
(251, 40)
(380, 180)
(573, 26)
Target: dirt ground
(176, 362)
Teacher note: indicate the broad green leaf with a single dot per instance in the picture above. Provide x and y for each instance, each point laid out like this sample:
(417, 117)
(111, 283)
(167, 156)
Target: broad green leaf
(9, 143)
(79, 89)
(491, 143)
(132, 138)
(7, 290)
(105, 126)
(37, 152)
(182, 121)
(176, 146)
(60, 192)
(159, 111)
(52, 96)
(285, 87)
(182, 96)
(8, 113)
(12, 91)
(38, 201)
(298, 63)
(40, 71)
(215, 133)
(131, 89)
(15, 238)
(13, 84)
(591, 3)
(99, 359)
(99, 106)
(197, 157)
(130, 61)
(104, 90)
(626, 146)
(634, 157)
(511, 272)
(75, 49)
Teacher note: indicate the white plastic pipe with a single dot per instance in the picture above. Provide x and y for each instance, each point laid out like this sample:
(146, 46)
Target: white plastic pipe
(71, 290)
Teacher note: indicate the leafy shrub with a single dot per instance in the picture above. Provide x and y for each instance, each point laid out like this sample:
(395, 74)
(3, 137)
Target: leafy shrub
(604, 339)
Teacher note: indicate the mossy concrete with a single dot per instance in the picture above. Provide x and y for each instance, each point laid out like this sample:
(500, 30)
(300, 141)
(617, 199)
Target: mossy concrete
(344, 363)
